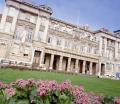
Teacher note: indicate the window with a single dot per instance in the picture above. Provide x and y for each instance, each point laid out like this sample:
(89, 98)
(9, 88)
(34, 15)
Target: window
(29, 35)
(58, 42)
(7, 27)
(25, 54)
(40, 34)
(74, 46)
(49, 39)
(88, 49)
(18, 32)
(82, 48)
(67, 45)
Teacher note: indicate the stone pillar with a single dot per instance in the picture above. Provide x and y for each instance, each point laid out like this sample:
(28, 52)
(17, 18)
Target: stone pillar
(97, 68)
(100, 46)
(83, 68)
(37, 28)
(105, 47)
(42, 56)
(4, 17)
(68, 66)
(51, 61)
(90, 68)
(116, 50)
(105, 69)
(60, 63)
(32, 56)
(76, 66)
(46, 30)
(13, 26)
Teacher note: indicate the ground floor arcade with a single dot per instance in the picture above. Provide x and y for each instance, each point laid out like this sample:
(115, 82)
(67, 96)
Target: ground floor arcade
(66, 63)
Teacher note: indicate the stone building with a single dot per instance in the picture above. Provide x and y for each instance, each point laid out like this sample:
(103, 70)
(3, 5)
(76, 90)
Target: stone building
(31, 37)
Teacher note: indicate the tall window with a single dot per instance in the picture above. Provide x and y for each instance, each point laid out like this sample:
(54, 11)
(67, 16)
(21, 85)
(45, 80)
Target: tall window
(40, 34)
(49, 39)
(29, 34)
(18, 32)
(58, 42)
(67, 45)
(74, 46)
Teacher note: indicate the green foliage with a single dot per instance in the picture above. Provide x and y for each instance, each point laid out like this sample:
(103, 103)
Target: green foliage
(108, 100)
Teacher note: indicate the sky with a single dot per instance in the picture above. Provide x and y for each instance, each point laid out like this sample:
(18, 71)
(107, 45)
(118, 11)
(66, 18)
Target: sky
(95, 13)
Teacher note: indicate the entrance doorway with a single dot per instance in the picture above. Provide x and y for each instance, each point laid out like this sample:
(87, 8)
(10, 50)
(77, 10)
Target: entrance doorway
(80, 66)
(36, 59)
(56, 62)
(102, 69)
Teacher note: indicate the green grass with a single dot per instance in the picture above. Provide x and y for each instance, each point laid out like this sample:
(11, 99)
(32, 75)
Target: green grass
(91, 84)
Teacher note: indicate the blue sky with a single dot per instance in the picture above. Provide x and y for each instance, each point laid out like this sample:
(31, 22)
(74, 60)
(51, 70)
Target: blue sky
(95, 13)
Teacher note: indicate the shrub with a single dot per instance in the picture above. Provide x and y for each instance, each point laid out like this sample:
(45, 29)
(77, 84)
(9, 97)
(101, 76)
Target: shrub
(48, 92)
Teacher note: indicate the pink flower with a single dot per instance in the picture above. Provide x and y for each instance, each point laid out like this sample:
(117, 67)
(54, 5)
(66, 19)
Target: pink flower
(21, 83)
(117, 100)
(42, 88)
(10, 92)
(53, 85)
(65, 86)
(79, 95)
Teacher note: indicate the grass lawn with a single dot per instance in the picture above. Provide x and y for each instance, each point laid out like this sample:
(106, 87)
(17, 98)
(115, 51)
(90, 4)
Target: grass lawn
(91, 84)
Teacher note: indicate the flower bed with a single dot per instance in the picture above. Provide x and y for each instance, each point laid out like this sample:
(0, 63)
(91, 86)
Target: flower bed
(48, 92)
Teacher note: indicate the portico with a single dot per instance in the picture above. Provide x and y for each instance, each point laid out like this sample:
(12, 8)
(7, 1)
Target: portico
(65, 64)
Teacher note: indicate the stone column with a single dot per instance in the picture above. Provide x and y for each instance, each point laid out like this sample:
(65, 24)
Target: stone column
(99, 69)
(13, 26)
(46, 30)
(32, 56)
(68, 66)
(37, 28)
(4, 17)
(51, 61)
(96, 70)
(42, 56)
(100, 46)
(76, 66)
(105, 47)
(83, 68)
(105, 69)
(90, 68)
(116, 50)
(60, 63)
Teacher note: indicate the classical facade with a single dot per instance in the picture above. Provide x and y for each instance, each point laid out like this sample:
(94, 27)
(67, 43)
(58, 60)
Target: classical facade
(31, 37)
